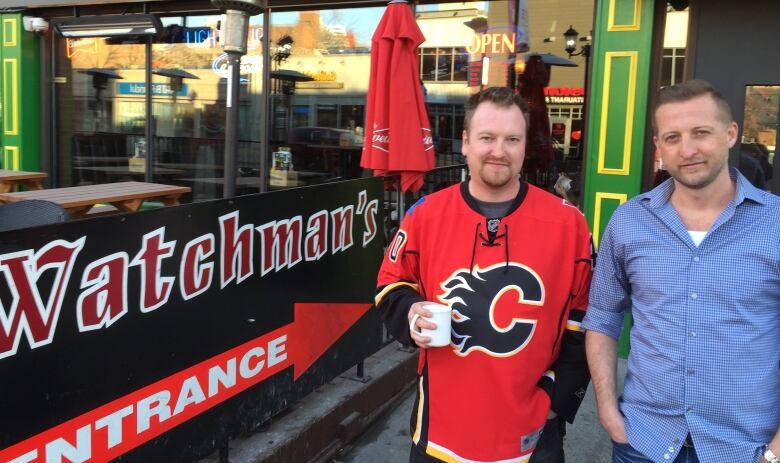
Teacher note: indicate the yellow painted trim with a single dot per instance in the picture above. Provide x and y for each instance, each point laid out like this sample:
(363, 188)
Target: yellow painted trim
(13, 129)
(633, 56)
(600, 196)
(634, 26)
(12, 41)
(11, 159)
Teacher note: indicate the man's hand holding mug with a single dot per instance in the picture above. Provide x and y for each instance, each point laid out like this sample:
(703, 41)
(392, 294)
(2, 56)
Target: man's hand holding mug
(430, 324)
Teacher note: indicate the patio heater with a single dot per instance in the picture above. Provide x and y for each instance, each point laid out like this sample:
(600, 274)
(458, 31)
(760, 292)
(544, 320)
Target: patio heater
(100, 80)
(234, 37)
(176, 83)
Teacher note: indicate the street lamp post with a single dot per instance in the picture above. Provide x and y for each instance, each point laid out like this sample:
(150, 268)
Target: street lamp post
(234, 38)
(571, 38)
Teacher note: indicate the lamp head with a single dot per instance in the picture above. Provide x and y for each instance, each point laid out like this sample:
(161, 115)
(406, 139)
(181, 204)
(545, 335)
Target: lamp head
(236, 26)
(252, 7)
(570, 37)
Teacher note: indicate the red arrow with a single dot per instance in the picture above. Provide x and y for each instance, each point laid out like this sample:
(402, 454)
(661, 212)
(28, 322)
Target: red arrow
(154, 409)
(316, 327)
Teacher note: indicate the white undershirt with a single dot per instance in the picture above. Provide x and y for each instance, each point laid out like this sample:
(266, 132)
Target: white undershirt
(697, 236)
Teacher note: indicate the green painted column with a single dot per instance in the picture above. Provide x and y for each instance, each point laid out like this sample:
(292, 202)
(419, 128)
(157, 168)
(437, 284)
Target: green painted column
(20, 124)
(617, 113)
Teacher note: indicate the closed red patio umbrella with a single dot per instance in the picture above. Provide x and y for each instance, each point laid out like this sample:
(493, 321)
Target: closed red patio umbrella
(398, 133)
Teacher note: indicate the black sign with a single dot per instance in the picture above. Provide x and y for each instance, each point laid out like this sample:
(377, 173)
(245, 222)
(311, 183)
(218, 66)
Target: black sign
(157, 335)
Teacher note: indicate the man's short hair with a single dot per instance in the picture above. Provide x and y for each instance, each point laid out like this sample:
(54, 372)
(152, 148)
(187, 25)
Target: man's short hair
(503, 97)
(687, 91)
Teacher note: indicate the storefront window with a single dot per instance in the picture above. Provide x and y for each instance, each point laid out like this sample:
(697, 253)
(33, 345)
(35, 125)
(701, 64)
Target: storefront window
(96, 134)
(320, 71)
(443, 64)
(759, 135)
(319, 78)
(101, 107)
(473, 45)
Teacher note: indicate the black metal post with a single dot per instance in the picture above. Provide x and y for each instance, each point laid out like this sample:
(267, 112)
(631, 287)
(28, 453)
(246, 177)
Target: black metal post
(231, 123)
(54, 176)
(150, 121)
(265, 127)
(586, 51)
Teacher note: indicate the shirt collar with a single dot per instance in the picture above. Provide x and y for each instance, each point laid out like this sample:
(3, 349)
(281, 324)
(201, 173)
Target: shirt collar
(660, 195)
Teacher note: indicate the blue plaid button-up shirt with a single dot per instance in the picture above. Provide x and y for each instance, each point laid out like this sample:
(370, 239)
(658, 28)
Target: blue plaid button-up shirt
(705, 345)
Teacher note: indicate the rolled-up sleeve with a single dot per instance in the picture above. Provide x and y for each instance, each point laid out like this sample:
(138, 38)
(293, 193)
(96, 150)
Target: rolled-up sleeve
(610, 293)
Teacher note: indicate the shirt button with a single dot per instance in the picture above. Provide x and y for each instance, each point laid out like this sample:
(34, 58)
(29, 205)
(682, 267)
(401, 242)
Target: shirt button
(691, 371)
(695, 258)
(676, 441)
(689, 409)
(694, 295)
(667, 456)
(671, 449)
(692, 334)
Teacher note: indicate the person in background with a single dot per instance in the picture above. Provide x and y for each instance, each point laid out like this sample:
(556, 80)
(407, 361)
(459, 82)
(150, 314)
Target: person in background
(514, 264)
(697, 262)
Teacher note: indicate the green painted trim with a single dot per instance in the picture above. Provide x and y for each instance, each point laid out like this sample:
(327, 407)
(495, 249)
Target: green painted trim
(20, 83)
(617, 113)
(624, 342)
(618, 106)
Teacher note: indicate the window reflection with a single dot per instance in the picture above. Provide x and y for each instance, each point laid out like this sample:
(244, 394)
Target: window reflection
(319, 77)
(319, 86)
(189, 85)
(759, 135)
(96, 134)
(101, 107)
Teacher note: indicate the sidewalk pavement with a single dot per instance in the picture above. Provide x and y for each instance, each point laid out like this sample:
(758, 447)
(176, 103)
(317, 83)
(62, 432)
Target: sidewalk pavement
(387, 441)
(348, 421)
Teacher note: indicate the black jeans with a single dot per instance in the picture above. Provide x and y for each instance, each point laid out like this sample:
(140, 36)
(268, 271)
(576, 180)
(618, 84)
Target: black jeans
(549, 449)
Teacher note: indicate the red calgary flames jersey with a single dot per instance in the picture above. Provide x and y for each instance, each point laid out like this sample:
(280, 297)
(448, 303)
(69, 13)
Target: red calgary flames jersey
(512, 284)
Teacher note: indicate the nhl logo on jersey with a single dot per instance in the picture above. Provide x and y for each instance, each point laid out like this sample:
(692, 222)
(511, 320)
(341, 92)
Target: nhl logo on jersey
(492, 225)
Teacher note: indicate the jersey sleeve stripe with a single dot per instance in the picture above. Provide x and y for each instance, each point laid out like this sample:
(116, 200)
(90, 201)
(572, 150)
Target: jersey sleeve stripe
(387, 289)
(571, 325)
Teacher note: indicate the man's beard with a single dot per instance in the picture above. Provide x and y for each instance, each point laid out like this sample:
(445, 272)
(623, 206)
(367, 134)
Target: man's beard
(697, 181)
(496, 179)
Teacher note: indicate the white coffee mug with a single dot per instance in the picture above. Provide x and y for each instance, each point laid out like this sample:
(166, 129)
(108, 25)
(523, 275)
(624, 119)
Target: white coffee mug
(442, 317)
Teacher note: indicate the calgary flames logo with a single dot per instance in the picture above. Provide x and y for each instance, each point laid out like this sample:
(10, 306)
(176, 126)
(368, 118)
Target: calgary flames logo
(480, 303)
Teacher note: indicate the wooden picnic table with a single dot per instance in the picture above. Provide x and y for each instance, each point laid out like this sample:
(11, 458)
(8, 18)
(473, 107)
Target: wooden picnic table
(124, 170)
(11, 178)
(124, 196)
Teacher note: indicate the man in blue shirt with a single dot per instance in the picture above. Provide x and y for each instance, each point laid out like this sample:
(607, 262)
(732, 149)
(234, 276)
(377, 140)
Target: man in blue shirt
(697, 262)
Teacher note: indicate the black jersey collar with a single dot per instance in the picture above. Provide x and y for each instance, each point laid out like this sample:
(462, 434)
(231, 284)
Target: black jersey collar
(464, 191)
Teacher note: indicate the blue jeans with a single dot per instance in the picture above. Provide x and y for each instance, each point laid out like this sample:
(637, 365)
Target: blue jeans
(625, 453)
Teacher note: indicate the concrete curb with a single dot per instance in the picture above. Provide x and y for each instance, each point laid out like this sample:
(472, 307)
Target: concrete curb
(331, 417)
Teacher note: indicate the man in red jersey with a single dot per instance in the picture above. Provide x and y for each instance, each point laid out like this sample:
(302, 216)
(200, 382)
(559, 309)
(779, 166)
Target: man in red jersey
(514, 264)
